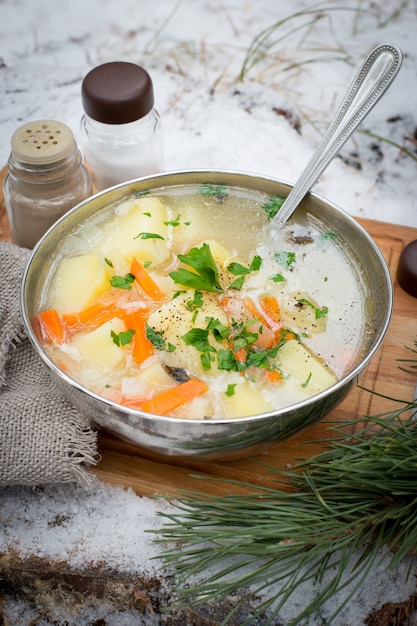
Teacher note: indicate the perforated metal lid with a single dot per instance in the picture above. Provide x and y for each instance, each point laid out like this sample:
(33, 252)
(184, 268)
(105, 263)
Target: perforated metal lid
(42, 142)
(117, 93)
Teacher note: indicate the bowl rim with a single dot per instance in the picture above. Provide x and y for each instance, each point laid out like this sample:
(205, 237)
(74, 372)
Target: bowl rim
(127, 411)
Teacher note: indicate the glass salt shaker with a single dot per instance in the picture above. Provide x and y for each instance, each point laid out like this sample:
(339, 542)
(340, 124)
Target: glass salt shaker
(45, 179)
(120, 128)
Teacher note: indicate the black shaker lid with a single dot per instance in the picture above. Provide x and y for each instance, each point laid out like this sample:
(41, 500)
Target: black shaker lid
(117, 93)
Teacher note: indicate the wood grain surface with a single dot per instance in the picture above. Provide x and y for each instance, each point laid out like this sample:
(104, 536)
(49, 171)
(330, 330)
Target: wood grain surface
(122, 464)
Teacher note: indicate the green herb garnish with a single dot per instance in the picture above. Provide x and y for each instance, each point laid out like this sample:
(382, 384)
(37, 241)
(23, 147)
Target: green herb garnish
(219, 330)
(286, 259)
(237, 269)
(198, 338)
(218, 192)
(318, 313)
(122, 282)
(122, 338)
(237, 284)
(155, 338)
(305, 383)
(206, 275)
(149, 236)
(277, 278)
(196, 302)
(174, 222)
(329, 235)
(273, 206)
(109, 263)
(230, 391)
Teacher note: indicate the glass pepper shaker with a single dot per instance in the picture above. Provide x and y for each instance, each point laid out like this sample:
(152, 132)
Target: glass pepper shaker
(45, 179)
(120, 128)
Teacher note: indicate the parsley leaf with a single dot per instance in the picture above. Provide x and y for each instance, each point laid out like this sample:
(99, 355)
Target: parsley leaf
(218, 192)
(196, 302)
(205, 276)
(286, 259)
(277, 278)
(149, 236)
(219, 330)
(122, 282)
(319, 313)
(230, 391)
(174, 222)
(273, 206)
(238, 283)
(198, 338)
(122, 338)
(156, 338)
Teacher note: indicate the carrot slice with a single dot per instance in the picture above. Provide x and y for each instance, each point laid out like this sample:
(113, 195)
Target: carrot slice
(146, 282)
(272, 311)
(142, 348)
(51, 327)
(168, 400)
(251, 307)
(97, 313)
(273, 376)
(240, 355)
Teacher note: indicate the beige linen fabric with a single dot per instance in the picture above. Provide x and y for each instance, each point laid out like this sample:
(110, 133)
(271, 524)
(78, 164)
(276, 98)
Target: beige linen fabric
(43, 438)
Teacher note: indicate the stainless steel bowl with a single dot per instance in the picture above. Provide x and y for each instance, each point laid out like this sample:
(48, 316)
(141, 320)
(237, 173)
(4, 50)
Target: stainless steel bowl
(186, 439)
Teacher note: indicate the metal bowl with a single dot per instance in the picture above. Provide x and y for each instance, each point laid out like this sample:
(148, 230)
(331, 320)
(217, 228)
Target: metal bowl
(185, 439)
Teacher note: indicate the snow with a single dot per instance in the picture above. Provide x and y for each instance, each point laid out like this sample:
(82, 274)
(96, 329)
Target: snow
(268, 124)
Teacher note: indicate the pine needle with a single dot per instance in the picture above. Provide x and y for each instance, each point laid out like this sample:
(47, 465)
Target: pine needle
(358, 497)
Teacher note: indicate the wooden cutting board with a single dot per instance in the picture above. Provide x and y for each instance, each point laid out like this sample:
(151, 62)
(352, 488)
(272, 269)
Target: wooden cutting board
(122, 464)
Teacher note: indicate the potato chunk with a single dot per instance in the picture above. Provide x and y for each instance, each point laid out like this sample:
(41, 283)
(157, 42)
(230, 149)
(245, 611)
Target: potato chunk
(301, 310)
(306, 370)
(133, 232)
(79, 280)
(98, 347)
(246, 400)
(176, 318)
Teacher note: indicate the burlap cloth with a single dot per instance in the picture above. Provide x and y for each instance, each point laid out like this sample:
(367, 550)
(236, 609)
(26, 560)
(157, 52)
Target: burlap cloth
(43, 438)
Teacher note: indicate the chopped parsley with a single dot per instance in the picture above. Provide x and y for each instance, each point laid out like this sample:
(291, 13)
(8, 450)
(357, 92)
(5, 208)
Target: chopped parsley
(174, 222)
(205, 276)
(237, 269)
(218, 192)
(329, 235)
(158, 340)
(285, 259)
(237, 284)
(122, 282)
(305, 383)
(198, 338)
(230, 391)
(122, 338)
(277, 278)
(273, 206)
(196, 302)
(149, 236)
(319, 313)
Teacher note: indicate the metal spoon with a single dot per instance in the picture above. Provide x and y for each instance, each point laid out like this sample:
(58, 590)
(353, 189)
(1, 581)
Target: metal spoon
(372, 80)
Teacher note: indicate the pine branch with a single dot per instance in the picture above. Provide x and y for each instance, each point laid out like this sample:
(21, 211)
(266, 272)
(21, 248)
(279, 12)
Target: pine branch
(356, 497)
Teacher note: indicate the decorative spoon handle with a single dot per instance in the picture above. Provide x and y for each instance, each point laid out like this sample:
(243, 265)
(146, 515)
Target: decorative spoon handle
(372, 80)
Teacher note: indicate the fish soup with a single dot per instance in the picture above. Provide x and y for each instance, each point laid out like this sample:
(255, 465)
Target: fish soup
(186, 301)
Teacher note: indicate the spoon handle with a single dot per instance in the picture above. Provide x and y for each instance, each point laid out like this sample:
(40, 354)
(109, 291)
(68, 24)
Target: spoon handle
(370, 83)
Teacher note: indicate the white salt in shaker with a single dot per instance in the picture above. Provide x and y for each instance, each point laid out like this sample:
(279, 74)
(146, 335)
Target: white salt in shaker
(120, 128)
(45, 179)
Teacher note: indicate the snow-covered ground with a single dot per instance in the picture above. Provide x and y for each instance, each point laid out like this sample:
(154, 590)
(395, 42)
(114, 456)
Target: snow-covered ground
(232, 95)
